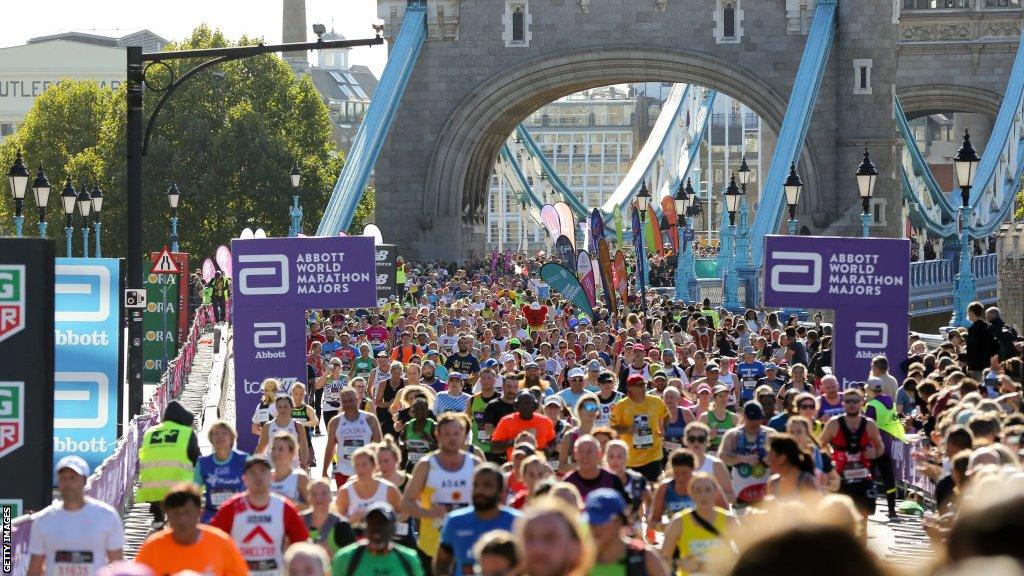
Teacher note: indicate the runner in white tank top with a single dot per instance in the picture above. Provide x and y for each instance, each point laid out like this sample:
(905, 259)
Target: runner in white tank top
(292, 429)
(289, 488)
(358, 505)
(351, 436)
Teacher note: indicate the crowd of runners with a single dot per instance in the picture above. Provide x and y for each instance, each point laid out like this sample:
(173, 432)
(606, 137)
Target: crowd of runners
(475, 425)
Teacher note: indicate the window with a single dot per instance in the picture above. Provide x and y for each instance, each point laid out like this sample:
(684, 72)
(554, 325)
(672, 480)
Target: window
(729, 12)
(877, 210)
(728, 21)
(862, 76)
(6, 129)
(518, 25)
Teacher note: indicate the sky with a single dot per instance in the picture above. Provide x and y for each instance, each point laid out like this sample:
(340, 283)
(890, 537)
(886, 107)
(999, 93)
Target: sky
(175, 19)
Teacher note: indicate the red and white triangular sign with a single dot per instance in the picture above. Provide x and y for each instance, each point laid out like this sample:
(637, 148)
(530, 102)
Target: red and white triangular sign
(164, 264)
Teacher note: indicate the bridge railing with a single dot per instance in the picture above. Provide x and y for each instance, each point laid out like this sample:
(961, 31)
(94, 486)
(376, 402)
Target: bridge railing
(113, 480)
(985, 266)
(931, 272)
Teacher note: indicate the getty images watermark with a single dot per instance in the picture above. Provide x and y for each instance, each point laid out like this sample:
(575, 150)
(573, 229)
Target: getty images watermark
(8, 536)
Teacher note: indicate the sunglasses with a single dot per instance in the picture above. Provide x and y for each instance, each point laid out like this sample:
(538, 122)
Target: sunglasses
(588, 407)
(697, 439)
(805, 406)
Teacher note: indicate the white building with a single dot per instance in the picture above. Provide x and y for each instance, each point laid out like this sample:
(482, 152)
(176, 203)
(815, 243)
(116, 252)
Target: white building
(27, 71)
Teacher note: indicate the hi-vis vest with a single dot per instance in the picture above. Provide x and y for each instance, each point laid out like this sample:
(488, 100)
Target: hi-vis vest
(163, 460)
(887, 420)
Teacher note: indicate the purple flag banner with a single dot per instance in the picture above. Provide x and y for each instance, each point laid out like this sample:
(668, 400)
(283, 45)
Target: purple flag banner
(596, 230)
(494, 261)
(585, 272)
(565, 253)
(865, 280)
(641, 259)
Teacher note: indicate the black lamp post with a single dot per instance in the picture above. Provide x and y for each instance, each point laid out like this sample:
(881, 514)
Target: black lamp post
(793, 187)
(84, 207)
(643, 200)
(966, 163)
(17, 177)
(97, 208)
(733, 195)
(173, 196)
(866, 176)
(67, 199)
(41, 192)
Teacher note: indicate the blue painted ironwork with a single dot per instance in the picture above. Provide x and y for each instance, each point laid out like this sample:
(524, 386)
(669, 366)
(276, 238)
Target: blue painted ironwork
(296, 215)
(18, 222)
(517, 181)
(376, 123)
(85, 240)
(548, 172)
(686, 273)
(174, 233)
(97, 228)
(795, 124)
(865, 225)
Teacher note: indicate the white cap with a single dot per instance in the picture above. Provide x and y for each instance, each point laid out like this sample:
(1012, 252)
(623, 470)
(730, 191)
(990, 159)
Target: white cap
(75, 463)
(577, 373)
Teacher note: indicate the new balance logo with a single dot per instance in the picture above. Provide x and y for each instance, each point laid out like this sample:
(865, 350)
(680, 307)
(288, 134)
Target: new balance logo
(802, 275)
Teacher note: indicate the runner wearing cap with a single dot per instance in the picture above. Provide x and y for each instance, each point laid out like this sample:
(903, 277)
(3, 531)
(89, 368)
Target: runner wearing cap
(749, 371)
(378, 554)
(718, 418)
(744, 448)
(771, 377)
(577, 387)
(261, 523)
(76, 535)
(607, 397)
(453, 399)
(617, 556)
(639, 419)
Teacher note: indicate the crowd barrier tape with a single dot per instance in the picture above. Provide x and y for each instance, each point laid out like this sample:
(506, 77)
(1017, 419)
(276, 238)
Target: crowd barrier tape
(114, 479)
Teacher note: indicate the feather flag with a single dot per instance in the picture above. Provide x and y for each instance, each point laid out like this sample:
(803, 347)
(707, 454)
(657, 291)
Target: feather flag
(567, 222)
(604, 266)
(668, 208)
(585, 272)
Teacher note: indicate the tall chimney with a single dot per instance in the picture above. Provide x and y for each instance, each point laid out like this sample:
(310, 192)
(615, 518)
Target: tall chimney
(293, 29)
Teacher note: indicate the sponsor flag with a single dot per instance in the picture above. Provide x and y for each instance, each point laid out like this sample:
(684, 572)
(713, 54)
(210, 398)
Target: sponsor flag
(620, 277)
(567, 222)
(668, 208)
(596, 230)
(223, 259)
(585, 272)
(566, 255)
(641, 260)
(618, 227)
(209, 270)
(552, 222)
(604, 266)
(564, 281)
(653, 229)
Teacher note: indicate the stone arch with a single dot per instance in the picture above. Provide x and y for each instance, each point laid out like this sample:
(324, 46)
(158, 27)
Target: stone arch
(926, 99)
(457, 177)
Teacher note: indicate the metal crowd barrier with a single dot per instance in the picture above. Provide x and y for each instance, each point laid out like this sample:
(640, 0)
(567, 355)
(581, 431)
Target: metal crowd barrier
(114, 479)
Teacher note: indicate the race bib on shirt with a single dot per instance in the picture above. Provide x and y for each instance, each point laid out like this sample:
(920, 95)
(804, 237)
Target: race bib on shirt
(266, 567)
(349, 446)
(73, 562)
(218, 497)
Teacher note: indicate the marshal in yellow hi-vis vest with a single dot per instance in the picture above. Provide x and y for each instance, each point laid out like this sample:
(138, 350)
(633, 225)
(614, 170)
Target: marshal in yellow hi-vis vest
(163, 460)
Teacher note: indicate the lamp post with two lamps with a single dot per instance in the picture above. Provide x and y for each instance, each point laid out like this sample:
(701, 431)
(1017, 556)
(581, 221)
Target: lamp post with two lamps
(966, 164)
(685, 274)
(733, 196)
(295, 211)
(173, 195)
(866, 175)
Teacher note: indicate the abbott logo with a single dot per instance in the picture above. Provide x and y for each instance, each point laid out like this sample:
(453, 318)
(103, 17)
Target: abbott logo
(268, 335)
(279, 269)
(805, 264)
(871, 335)
(82, 293)
(81, 400)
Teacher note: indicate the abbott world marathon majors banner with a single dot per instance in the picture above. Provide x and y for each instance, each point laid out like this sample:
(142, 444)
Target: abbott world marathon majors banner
(87, 371)
(865, 280)
(276, 281)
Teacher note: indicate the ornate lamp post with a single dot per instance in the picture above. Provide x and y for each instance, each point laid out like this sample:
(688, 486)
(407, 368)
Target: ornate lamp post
(742, 236)
(84, 207)
(733, 196)
(643, 200)
(866, 175)
(685, 273)
(41, 192)
(97, 208)
(67, 200)
(173, 195)
(295, 211)
(17, 177)
(966, 163)
(793, 187)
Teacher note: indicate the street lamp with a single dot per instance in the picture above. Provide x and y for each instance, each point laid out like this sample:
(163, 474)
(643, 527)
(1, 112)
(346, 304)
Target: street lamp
(18, 179)
(682, 201)
(966, 164)
(743, 236)
(793, 187)
(173, 195)
(296, 211)
(41, 191)
(97, 208)
(866, 175)
(733, 195)
(643, 200)
(84, 207)
(67, 200)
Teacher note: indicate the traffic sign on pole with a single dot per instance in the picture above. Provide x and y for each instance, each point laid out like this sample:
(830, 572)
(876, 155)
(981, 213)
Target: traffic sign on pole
(164, 263)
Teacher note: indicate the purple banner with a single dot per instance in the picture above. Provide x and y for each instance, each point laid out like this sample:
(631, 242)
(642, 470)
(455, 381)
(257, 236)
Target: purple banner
(269, 343)
(494, 262)
(861, 333)
(865, 280)
(596, 230)
(564, 251)
(641, 259)
(324, 272)
(832, 272)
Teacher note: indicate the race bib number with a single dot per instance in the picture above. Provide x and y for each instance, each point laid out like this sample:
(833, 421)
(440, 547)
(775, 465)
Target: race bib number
(73, 562)
(643, 436)
(402, 529)
(854, 470)
(671, 446)
(749, 383)
(483, 435)
(350, 446)
(220, 497)
(267, 567)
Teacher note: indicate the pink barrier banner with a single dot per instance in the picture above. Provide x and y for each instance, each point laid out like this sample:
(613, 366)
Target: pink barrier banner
(904, 467)
(113, 479)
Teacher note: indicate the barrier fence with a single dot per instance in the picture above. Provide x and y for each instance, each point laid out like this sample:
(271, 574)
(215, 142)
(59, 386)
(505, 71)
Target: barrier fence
(114, 479)
(908, 477)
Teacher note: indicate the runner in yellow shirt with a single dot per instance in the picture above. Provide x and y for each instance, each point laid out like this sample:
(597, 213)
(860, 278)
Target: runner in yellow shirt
(638, 419)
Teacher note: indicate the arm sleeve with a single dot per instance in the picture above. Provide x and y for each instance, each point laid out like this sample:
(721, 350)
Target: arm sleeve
(339, 565)
(224, 518)
(115, 532)
(294, 527)
(37, 539)
(448, 534)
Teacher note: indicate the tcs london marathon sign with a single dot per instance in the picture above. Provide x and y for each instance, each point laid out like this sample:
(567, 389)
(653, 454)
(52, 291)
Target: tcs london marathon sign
(275, 281)
(865, 280)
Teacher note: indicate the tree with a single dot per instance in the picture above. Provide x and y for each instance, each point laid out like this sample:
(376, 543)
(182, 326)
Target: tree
(228, 138)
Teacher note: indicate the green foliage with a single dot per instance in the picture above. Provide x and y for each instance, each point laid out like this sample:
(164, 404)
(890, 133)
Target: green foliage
(228, 137)
(364, 211)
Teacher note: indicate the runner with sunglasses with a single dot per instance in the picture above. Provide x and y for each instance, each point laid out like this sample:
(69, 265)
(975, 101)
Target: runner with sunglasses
(855, 442)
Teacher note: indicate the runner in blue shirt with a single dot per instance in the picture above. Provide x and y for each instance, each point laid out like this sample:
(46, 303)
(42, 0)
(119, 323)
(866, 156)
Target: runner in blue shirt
(220, 473)
(464, 527)
(750, 371)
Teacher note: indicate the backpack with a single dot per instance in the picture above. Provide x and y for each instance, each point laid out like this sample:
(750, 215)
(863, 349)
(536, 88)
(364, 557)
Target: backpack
(1006, 339)
(357, 556)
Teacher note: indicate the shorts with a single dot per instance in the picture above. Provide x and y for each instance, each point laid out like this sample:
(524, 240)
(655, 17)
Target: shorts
(862, 493)
(340, 479)
(651, 471)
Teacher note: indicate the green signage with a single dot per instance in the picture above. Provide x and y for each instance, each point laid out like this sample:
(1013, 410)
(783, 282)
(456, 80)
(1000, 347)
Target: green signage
(159, 325)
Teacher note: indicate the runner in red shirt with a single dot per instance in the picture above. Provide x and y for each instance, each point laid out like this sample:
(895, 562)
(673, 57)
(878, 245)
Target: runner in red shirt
(262, 524)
